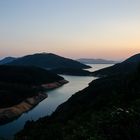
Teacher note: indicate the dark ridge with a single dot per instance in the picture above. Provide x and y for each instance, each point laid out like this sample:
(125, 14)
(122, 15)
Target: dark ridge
(49, 61)
(7, 60)
(27, 75)
(133, 59)
(126, 66)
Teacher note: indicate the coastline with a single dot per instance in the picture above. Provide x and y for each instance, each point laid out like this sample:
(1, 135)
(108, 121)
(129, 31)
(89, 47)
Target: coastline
(54, 84)
(11, 113)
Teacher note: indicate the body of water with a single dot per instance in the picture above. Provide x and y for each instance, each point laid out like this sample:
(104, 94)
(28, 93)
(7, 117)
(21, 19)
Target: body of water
(47, 106)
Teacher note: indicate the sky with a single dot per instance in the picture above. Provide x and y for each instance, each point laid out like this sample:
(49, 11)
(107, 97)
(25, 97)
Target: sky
(73, 28)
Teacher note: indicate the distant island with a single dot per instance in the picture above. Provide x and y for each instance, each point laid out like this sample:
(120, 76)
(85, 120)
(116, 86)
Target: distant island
(108, 109)
(22, 87)
(95, 61)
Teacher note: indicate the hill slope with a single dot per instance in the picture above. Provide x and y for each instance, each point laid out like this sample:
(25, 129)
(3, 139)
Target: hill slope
(48, 60)
(27, 75)
(7, 60)
(126, 66)
(108, 109)
(19, 82)
(22, 88)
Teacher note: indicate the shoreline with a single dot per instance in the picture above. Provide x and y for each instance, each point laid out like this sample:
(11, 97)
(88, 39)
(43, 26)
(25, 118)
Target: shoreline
(54, 84)
(11, 113)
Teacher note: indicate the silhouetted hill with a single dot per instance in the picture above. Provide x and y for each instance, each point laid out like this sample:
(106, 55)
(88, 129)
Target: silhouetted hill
(126, 66)
(96, 61)
(49, 61)
(25, 75)
(133, 59)
(108, 109)
(19, 82)
(7, 60)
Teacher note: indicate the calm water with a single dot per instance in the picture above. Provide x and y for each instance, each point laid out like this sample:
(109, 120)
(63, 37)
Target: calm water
(47, 106)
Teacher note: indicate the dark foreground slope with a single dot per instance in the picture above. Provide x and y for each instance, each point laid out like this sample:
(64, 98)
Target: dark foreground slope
(20, 82)
(127, 66)
(49, 61)
(108, 109)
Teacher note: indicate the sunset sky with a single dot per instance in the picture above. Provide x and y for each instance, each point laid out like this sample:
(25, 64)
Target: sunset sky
(73, 28)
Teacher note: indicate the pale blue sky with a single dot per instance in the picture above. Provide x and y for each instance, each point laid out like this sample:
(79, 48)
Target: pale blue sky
(73, 28)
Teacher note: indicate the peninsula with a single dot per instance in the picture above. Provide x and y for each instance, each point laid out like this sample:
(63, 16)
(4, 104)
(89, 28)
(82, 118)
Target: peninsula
(22, 88)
